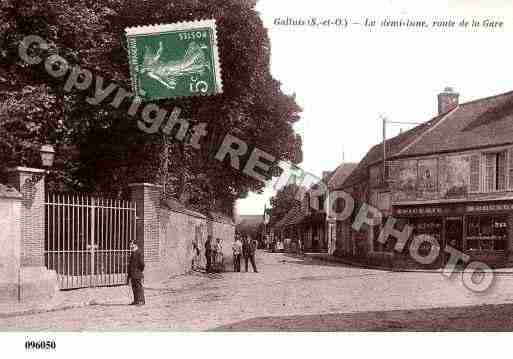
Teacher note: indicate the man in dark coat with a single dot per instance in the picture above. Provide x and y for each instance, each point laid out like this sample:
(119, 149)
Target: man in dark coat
(248, 252)
(135, 274)
(208, 253)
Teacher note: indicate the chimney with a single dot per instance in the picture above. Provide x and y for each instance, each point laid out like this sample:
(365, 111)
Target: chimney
(325, 175)
(447, 100)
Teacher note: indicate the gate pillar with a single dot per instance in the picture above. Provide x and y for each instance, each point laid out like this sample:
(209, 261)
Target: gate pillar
(10, 242)
(35, 280)
(147, 198)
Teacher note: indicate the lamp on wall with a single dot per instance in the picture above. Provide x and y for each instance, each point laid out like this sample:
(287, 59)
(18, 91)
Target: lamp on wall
(47, 153)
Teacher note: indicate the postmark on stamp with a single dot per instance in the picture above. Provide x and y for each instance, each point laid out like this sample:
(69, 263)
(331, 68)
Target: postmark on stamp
(174, 60)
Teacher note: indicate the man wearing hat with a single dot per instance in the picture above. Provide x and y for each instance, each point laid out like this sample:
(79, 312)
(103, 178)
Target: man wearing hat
(135, 274)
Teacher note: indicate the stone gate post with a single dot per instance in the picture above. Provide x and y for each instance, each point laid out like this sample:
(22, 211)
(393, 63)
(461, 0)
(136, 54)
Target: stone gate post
(147, 198)
(10, 242)
(35, 280)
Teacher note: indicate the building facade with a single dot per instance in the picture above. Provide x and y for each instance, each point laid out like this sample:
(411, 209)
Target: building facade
(309, 221)
(305, 222)
(450, 178)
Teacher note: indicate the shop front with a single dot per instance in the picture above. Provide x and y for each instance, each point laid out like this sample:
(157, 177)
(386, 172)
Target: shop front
(481, 229)
(315, 232)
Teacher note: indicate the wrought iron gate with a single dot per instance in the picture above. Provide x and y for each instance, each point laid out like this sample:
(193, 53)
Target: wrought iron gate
(87, 239)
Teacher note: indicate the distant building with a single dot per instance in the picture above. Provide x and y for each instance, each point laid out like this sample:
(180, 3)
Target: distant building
(250, 225)
(308, 220)
(450, 177)
(289, 226)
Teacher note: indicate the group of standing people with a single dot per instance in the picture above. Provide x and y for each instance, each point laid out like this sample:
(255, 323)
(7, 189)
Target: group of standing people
(242, 247)
(245, 248)
(214, 255)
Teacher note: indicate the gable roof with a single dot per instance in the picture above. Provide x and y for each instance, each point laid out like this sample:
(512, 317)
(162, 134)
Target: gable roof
(480, 123)
(280, 223)
(393, 146)
(340, 174)
(294, 216)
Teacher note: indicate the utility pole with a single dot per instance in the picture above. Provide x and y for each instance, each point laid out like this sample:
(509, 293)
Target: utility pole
(266, 221)
(384, 119)
(164, 164)
(385, 122)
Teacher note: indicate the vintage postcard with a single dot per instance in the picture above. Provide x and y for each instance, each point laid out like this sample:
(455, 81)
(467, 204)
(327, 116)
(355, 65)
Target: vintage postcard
(263, 167)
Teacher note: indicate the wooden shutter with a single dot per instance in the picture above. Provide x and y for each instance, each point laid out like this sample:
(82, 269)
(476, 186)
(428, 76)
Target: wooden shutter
(501, 171)
(475, 173)
(490, 163)
(510, 169)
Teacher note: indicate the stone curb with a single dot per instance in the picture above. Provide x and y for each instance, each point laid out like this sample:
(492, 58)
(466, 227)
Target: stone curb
(55, 306)
(388, 269)
(370, 266)
(354, 264)
(34, 311)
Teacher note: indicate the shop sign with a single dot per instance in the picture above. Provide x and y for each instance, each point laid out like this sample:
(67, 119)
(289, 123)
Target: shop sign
(427, 211)
(496, 207)
(418, 211)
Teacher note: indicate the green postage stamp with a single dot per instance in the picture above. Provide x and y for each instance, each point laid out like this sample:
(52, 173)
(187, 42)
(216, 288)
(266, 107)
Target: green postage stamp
(174, 60)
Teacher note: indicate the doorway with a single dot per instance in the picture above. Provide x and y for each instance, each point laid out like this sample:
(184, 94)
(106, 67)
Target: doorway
(454, 232)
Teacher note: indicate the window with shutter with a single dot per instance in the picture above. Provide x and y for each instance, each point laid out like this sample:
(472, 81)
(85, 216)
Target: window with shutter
(496, 171)
(511, 169)
(474, 173)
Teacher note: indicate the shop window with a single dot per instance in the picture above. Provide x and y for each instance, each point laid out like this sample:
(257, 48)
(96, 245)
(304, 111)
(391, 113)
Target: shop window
(426, 226)
(487, 233)
(388, 247)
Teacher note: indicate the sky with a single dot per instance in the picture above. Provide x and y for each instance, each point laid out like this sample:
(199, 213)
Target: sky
(346, 78)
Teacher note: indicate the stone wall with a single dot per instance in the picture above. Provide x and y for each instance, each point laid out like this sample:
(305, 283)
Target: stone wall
(167, 230)
(178, 232)
(225, 231)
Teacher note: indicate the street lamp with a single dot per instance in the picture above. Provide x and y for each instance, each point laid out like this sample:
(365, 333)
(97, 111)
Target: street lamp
(47, 153)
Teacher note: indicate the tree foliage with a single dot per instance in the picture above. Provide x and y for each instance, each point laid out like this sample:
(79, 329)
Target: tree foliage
(101, 149)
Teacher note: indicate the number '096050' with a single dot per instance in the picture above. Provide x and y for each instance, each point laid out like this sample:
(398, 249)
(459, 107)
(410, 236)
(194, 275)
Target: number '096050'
(40, 345)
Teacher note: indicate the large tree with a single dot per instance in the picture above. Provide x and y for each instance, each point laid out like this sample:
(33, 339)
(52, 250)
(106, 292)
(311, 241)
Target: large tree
(101, 149)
